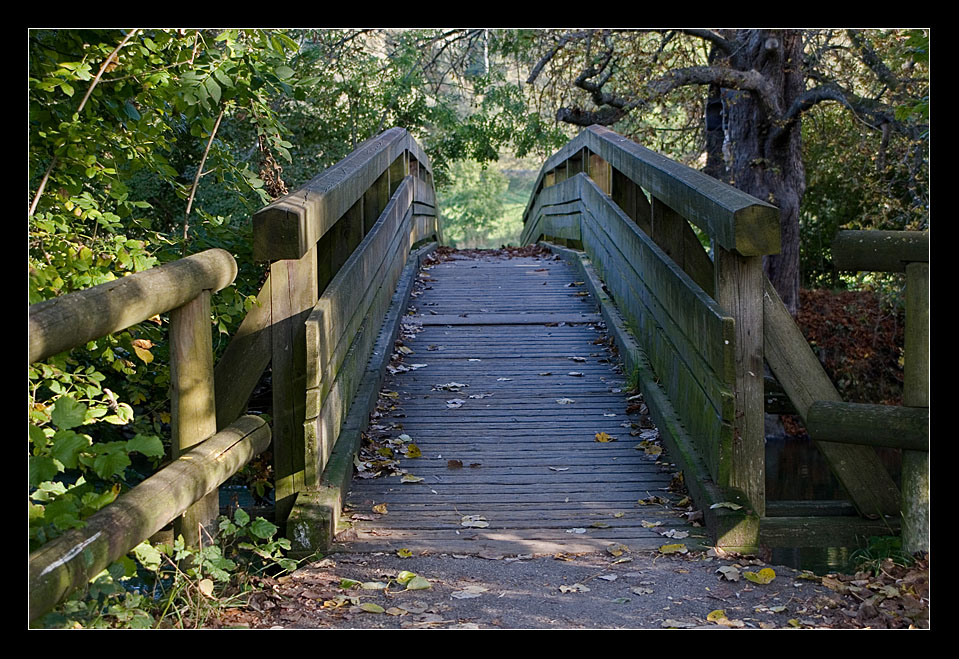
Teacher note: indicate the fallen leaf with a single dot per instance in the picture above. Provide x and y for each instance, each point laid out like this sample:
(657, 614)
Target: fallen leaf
(616, 549)
(404, 577)
(474, 521)
(676, 535)
(504, 379)
(575, 374)
(604, 438)
(380, 508)
(454, 464)
(575, 588)
(413, 451)
(418, 583)
(455, 403)
(678, 548)
(404, 553)
(374, 585)
(729, 573)
(565, 401)
(559, 468)
(650, 525)
(576, 530)
(716, 615)
(468, 593)
(370, 607)
(764, 576)
(410, 478)
(725, 504)
(642, 590)
(578, 359)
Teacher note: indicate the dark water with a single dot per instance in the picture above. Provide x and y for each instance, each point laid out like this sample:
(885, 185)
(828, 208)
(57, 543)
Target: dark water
(797, 471)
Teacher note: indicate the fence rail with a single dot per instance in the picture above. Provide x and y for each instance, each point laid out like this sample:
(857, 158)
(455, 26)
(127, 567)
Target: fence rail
(185, 490)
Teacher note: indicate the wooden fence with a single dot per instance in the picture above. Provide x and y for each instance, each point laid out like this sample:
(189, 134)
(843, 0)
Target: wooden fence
(699, 328)
(337, 248)
(185, 490)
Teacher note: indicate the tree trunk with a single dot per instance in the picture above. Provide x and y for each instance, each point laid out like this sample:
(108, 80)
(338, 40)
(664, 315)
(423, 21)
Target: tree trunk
(761, 163)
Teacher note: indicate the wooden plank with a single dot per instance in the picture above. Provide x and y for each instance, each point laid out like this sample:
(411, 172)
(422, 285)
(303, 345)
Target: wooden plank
(245, 359)
(734, 219)
(796, 368)
(915, 393)
(291, 225)
(513, 448)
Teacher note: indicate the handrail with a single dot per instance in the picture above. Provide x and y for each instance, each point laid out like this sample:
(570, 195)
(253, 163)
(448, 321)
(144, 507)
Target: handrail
(203, 460)
(908, 252)
(71, 320)
(703, 323)
(735, 220)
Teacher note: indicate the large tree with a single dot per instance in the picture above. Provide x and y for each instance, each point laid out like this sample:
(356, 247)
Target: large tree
(740, 97)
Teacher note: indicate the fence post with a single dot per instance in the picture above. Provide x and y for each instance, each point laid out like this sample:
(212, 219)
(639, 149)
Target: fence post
(915, 393)
(739, 291)
(193, 404)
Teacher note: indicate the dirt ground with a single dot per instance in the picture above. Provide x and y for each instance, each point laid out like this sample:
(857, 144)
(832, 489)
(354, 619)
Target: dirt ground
(595, 591)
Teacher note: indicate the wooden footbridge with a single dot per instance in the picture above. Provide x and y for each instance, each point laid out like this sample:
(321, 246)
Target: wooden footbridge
(519, 401)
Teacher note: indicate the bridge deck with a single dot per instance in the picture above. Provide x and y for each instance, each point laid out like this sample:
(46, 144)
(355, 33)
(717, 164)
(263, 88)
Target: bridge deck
(509, 376)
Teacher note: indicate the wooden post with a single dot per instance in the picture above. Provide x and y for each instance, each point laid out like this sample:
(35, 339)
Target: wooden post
(915, 393)
(293, 296)
(739, 291)
(599, 171)
(630, 197)
(193, 405)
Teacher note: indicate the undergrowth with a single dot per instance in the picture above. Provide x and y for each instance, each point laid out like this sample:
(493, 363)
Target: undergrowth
(175, 586)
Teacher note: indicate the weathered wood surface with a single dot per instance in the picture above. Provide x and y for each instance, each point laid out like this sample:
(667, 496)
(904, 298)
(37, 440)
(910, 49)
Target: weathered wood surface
(71, 320)
(792, 361)
(531, 465)
(869, 425)
(294, 223)
(879, 251)
(71, 560)
(734, 219)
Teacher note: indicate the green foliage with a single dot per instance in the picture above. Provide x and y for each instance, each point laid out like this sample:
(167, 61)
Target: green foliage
(878, 550)
(120, 124)
(175, 585)
(472, 202)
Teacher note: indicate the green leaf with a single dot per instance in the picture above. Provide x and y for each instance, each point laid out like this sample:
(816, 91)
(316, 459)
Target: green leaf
(41, 469)
(68, 413)
(262, 528)
(67, 445)
(241, 517)
(112, 462)
(212, 88)
(283, 72)
(148, 445)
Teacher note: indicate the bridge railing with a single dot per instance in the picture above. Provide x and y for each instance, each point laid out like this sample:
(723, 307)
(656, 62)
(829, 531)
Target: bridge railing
(336, 247)
(697, 320)
(703, 322)
(185, 490)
